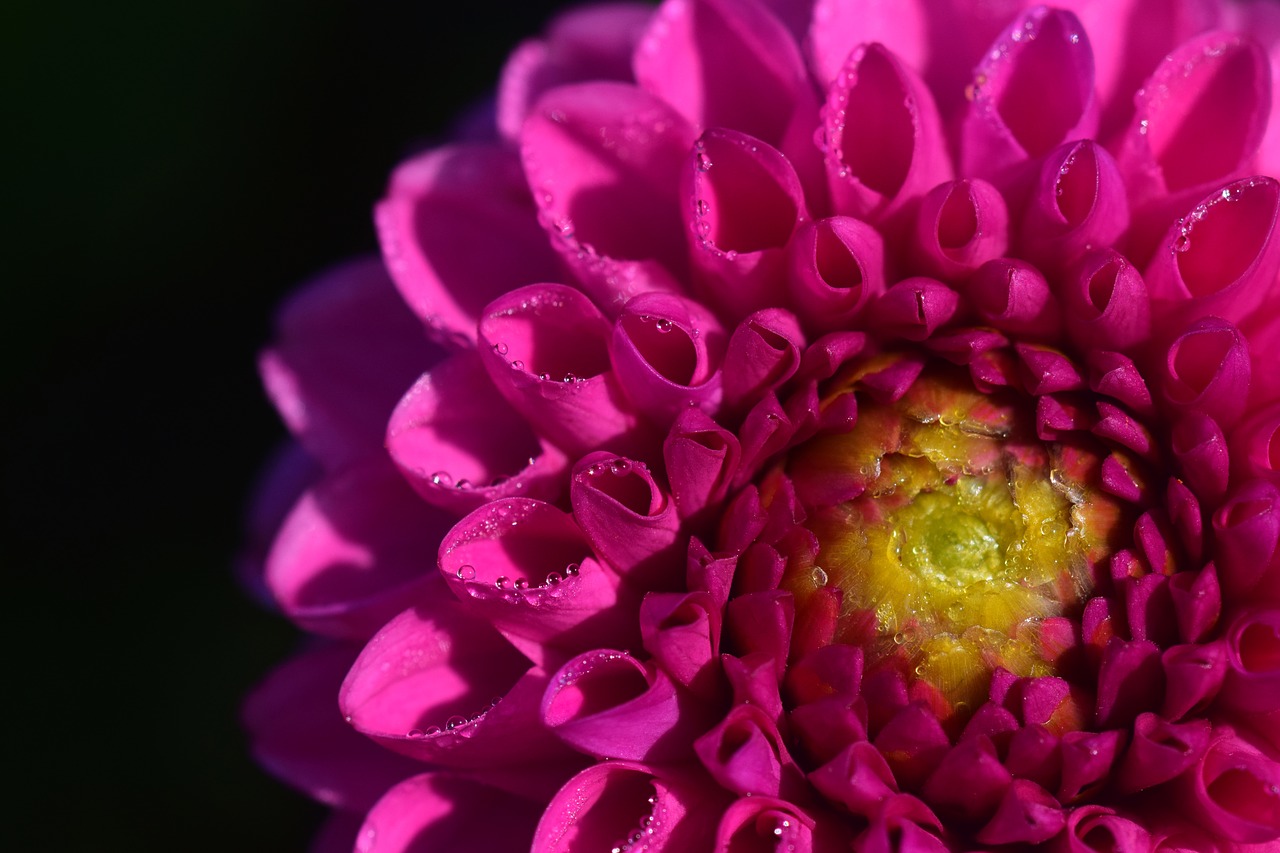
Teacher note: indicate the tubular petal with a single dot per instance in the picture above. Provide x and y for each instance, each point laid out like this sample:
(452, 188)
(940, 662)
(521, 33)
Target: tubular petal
(701, 460)
(765, 823)
(1079, 202)
(1014, 297)
(1255, 445)
(682, 632)
(837, 265)
(1253, 662)
(1161, 751)
(959, 227)
(1027, 814)
(745, 754)
(764, 352)
(1093, 828)
(1234, 792)
(1207, 370)
(1105, 302)
(914, 308)
(1247, 529)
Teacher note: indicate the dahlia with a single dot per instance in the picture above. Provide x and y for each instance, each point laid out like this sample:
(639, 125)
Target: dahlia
(802, 426)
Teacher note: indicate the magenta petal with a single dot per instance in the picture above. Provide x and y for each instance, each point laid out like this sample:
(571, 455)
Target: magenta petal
(1193, 675)
(1201, 451)
(914, 309)
(1087, 758)
(745, 754)
(1091, 828)
(526, 567)
(1247, 530)
(902, 27)
(682, 633)
(701, 460)
(460, 444)
(355, 551)
(858, 778)
(1221, 258)
(279, 485)
(600, 157)
(762, 622)
(959, 227)
(1253, 662)
(1034, 753)
(766, 823)
(666, 352)
(607, 704)
(345, 350)
(1105, 302)
(970, 781)
(1255, 445)
(457, 229)
(837, 264)
(1115, 375)
(913, 741)
(1234, 792)
(1207, 370)
(298, 734)
(742, 204)
(1031, 92)
(764, 352)
(441, 811)
(619, 802)
(1078, 202)
(1129, 682)
(1161, 751)
(629, 520)
(882, 136)
(752, 679)
(732, 64)
(1027, 814)
(546, 348)
(902, 825)
(1014, 297)
(588, 43)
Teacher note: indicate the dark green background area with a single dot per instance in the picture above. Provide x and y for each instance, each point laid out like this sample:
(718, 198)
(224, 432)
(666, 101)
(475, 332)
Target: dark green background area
(170, 171)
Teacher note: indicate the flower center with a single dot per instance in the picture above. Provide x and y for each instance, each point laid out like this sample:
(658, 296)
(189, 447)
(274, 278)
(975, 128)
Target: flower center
(950, 533)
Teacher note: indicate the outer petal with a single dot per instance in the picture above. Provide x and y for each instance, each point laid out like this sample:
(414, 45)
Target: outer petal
(1234, 792)
(345, 350)
(838, 25)
(1207, 370)
(460, 444)
(457, 229)
(1253, 660)
(601, 157)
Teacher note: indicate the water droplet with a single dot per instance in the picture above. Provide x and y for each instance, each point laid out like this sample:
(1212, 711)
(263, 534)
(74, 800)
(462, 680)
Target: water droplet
(571, 570)
(569, 379)
(455, 721)
(1182, 242)
(899, 638)
(553, 578)
(1143, 126)
(663, 326)
(819, 576)
(521, 584)
(704, 162)
(466, 573)
(517, 365)
(701, 207)
(442, 478)
(463, 484)
(415, 734)
(620, 467)
(501, 582)
(500, 348)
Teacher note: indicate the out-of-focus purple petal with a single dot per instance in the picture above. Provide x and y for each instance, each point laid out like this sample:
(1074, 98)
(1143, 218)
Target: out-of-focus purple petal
(959, 227)
(882, 137)
(902, 26)
(1234, 792)
(836, 265)
(1207, 370)
(1105, 302)
(439, 811)
(457, 229)
(280, 484)
(589, 43)
(600, 157)
(1079, 202)
(345, 350)
(460, 444)
(546, 348)
(298, 734)
(354, 551)
(1032, 91)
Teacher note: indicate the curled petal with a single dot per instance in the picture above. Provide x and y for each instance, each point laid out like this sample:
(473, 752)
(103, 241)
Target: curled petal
(1201, 452)
(1255, 445)
(345, 350)
(1193, 675)
(460, 444)
(682, 633)
(1253, 662)
(1034, 753)
(959, 227)
(1130, 680)
(858, 778)
(701, 460)
(1115, 375)
(903, 823)
(1014, 297)
(1027, 814)
(546, 349)
(620, 802)
(589, 43)
(1207, 370)
(1091, 828)
(1087, 758)
(970, 781)
(913, 742)
(607, 704)
(1222, 258)
(527, 568)
(743, 204)
(746, 755)
(666, 352)
(766, 822)
(1197, 602)
(762, 622)
(1161, 751)
(1031, 92)
(1078, 202)
(599, 157)
(630, 521)
(914, 309)
(882, 135)
(439, 811)
(837, 265)
(1234, 792)
(457, 229)
(1105, 302)
(1247, 529)
(764, 352)
(354, 551)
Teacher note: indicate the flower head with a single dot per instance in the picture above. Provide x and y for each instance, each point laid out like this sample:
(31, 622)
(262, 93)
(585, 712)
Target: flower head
(803, 426)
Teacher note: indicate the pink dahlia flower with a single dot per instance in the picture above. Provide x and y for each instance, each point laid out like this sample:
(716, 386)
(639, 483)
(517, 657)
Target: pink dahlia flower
(802, 426)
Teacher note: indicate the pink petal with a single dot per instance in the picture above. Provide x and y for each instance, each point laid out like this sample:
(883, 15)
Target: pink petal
(1234, 792)
(1027, 814)
(1207, 370)
(766, 823)
(732, 64)
(701, 459)
(745, 755)
(1255, 445)
(666, 352)
(1193, 675)
(882, 137)
(1130, 680)
(1014, 297)
(1201, 452)
(629, 520)
(858, 778)
(742, 204)
(1161, 751)
(461, 445)
(526, 568)
(762, 622)
(682, 633)
(913, 742)
(1221, 259)
(902, 825)
(345, 350)
(546, 349)
(1087, 759)
(457, 229)
(753, 680)
(1115, 375)
(297, 733)
(970, 781)
(589, 43)
(914, 309)
(621, 802)
(1034, 754)
(838, 25)
(837, 264)
(764, 352)
(607, 704)
(1091, 828)
(1247, 528)
(601, 157)
(355, 551)
(1253, 662)
(960, 226)
(1031, 92)
(438, 811)
(287, 474)
(1105, 302)
(1078, 202)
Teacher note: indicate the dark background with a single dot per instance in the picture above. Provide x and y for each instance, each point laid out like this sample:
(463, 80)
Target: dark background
(171, 171)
